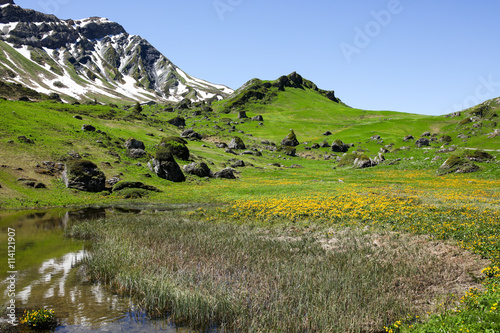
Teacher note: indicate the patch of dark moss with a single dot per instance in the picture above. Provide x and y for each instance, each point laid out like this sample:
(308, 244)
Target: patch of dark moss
(120, 186)
(347, 160)
(164, 154)
(176, 146)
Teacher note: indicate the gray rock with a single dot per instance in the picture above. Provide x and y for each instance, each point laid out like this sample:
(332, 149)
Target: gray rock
(238, 164)
(134, 144)
(84, 175)
(227, 173)
(25, 139)
(168, 170)
(137, 153)
(236, 143)
(191, 134)
(409, 138)
(258, 118)
(426, 134)
(88, 128)
(198, 169)
(242, 115)
(422, 142)
(339, 147)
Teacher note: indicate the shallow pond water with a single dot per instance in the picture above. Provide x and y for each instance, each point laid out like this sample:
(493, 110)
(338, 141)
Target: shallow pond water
(48, 275)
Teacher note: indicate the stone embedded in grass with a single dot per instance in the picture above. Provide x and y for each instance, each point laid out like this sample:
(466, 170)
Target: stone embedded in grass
(165, 166)
(339, 147)
(88, 128)
(84, 175)
(457, 164)
(24, 139)
(198, 169)
(258, 118)
(290, 151)
(177, 146)
(134, 144)
(478, 156)
(238, 164)
(408, 138)
(178, 122)
(227, 173)
(290, 140)
(191, 135)
(422, 142)
(236, 143)
(137, 185)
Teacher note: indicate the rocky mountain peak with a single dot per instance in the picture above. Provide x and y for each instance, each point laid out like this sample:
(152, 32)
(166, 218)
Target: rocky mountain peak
(5, 2)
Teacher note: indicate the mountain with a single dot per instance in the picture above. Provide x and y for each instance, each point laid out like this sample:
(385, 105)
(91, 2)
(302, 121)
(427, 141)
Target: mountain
(92, 58)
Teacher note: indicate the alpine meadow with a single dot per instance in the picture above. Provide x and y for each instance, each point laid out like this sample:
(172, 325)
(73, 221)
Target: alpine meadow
(275, 207)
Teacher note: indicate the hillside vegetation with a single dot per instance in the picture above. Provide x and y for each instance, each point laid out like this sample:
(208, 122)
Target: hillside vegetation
(303, 181)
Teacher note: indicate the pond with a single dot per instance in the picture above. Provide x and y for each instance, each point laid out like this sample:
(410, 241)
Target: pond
(49, 275)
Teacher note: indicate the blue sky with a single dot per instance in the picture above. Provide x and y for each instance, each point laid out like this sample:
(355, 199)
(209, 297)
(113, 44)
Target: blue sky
(418, 56)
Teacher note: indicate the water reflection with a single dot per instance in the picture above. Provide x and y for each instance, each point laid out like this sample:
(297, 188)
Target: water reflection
(52, 278)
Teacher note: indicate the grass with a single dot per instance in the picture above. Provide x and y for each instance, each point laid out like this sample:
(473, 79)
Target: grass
(244, 277)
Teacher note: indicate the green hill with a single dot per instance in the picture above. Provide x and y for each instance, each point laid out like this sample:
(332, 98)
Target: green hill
(57, 136)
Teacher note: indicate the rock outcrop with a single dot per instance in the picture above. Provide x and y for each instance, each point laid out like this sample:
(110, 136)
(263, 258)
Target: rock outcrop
(84, 175)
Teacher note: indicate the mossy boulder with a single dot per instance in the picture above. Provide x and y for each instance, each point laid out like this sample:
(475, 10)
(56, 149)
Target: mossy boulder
(339, 147)
(290, 151)
(422, 142)
(176, 146)
(290, 140)
(347, 160)
(478, 156)
(236, 143)
(445, 139)
(165, 166)
(134, 144)
(457, 164)
(178, 122)
(84, 175)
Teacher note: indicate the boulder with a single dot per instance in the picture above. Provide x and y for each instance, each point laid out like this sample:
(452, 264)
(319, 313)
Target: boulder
(236, 143)
(457, 164)
(339, 147)
(258, 118)
(242, 115)
(238, 164)
(165, 166)
(422, 142)
(137, 153)
(221, 145)
(178, 122)
(198, 169)
(134, 144)
(191, 135)
(84, 175)
(290, 151)
(177, 146)
(168, 170)
(327, 133)
(426, 134)
(138, 185)
(88, 128)
(409, 138)
(290, 140)
(227, 173)
(375, 137)
(363, 161)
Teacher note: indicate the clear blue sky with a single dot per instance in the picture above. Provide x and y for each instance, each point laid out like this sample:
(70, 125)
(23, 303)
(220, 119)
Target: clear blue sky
(419, 56)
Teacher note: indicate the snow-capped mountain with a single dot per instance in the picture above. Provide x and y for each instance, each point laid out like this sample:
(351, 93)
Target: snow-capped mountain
(92, 58)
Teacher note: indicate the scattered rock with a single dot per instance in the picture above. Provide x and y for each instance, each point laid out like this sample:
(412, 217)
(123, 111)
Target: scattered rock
(242, 115)
(24, 139)
(290, 151)
(478, 156)
(238, 164)
(236, 143)
(457, 164)
(178, 122)
(112, 181)
(221, 145)
(258, 118)
(137, 153)
(290, 140)
(375, 138)
(198, 169)
(191, 135)
(227, 173)
(84, 175)
(422, 142)
(327, 133)
(88, 128)
(165, 166)
(409, 138)
(426, 134)
(339, 147)
(177, 146)
(493, 134)
(134, 144)
(78, 117)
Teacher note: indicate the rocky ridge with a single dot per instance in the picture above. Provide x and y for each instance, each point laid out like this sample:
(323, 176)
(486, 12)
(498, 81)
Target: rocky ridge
(93, 56)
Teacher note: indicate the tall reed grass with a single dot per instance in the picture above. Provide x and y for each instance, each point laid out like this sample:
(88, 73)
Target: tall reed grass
(249, 279)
